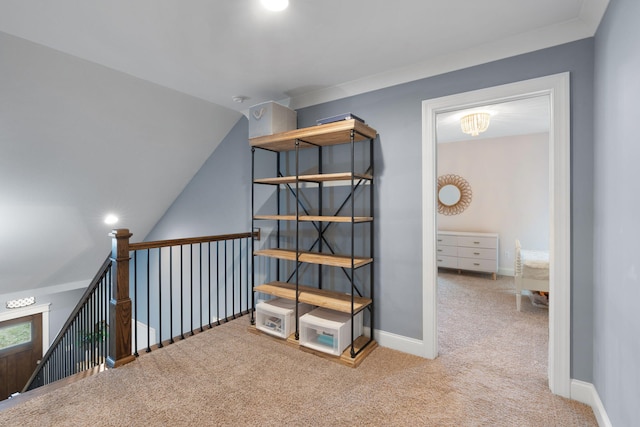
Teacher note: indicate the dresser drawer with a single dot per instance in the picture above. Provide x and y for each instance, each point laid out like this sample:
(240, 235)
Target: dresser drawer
(478, 253)
(477, 242)
(447, 261)
(447, 250)
(444, 239)
(477, 264)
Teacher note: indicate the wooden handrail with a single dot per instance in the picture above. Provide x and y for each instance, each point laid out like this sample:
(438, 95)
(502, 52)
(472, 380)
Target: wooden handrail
(191, 240)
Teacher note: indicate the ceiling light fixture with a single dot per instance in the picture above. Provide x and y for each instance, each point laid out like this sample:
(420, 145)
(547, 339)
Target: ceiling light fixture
(275, 5)
(474, 124)
(110, 219)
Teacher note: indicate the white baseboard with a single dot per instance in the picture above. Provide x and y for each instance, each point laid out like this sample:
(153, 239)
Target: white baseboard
(586, 393)
(399, 342)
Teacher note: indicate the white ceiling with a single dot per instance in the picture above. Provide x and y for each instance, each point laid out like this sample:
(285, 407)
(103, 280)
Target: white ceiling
(313, 52)
(521, 117)
(216, 50)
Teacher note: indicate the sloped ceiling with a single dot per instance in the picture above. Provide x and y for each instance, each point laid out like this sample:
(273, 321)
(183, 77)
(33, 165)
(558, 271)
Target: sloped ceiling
(108, 94)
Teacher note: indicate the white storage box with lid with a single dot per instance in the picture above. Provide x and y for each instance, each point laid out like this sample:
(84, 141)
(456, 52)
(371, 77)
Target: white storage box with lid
(277, 316)
(328, 331)
(269, 118)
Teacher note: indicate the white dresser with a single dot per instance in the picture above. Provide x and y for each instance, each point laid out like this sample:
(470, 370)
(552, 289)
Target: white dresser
(468, 251)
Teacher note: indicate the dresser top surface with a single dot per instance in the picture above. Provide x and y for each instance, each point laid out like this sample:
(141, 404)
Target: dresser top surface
(467, 233)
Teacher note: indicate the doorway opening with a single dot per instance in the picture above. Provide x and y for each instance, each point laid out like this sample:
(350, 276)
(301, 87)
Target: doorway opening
(556, 88)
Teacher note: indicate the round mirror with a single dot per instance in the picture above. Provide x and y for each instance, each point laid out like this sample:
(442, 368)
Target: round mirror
(454, 194)
(449, 195)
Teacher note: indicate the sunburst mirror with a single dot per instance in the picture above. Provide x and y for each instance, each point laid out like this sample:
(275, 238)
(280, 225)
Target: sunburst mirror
(454, 194)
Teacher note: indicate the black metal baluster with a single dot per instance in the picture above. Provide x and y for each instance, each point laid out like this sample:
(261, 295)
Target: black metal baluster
(200, 268)
(181, 293)
(171, 295)
(107, 294)
(94, 334)
(148, 303)
(233, 278)
(226, 289)
(240, 276)
(84, 332)
(248, 284)
(160, 298)
(74, 343)
(209, 281)
(191, 285)
(100, 322)
(218, 311)
(135, 303)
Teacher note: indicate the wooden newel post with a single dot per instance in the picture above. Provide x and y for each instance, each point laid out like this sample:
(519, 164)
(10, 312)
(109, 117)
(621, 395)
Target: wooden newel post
(120, 303)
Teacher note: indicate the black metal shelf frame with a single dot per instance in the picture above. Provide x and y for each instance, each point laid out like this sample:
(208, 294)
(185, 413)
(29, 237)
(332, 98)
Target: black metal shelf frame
(321, 228)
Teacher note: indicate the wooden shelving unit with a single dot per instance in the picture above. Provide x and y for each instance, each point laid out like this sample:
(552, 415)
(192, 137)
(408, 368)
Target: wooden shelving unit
(360, 298)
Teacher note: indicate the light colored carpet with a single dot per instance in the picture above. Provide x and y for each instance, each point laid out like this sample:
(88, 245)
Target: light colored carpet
(491, 372)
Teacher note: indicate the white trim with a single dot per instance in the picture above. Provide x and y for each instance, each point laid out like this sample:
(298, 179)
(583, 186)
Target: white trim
(586, 393)
(28, 311)
(556, 87)
(398, 342)
(584, 26)
(49, 290)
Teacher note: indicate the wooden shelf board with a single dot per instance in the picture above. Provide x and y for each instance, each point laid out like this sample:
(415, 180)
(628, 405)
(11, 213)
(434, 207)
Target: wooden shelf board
(321, 135)
(321, 177)
(319, 297)
(324, 218)
(315, 258)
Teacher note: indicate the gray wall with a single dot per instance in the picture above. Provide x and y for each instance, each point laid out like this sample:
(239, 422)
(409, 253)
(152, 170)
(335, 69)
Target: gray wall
(396, 113)
(616, 339)
(217, 200)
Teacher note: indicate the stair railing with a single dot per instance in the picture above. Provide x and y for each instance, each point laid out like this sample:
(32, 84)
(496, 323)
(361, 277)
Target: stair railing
(182, 287)
(82, 343)
(147, 295)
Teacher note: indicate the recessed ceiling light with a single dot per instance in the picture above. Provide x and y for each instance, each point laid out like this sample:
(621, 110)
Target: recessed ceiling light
(275, 5)
(110, 219)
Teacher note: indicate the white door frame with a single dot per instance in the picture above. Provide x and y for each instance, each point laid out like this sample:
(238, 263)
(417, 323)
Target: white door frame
(556, 87)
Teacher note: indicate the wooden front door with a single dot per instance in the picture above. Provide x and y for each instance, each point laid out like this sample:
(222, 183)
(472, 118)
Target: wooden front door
(20, 351)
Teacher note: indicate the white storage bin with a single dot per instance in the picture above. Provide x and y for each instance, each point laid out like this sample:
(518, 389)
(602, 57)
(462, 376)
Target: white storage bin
(328, 331)
(269, 118)
(277, 316)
